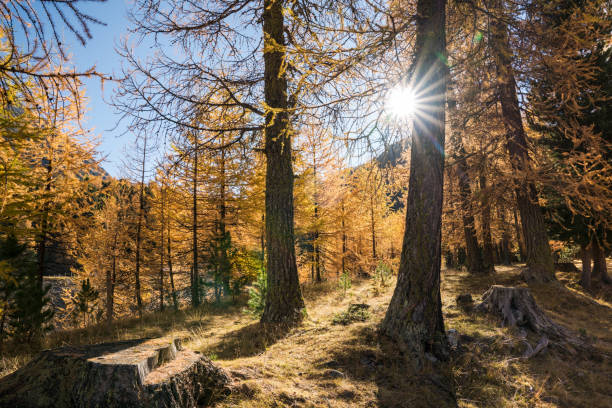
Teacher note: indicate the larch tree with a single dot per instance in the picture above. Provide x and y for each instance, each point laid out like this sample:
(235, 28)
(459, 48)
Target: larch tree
(222, 48)
(414, 317)
(540, 264)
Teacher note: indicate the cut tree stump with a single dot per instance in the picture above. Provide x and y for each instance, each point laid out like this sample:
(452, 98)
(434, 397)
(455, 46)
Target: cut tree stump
(517, 308)
(132, 374)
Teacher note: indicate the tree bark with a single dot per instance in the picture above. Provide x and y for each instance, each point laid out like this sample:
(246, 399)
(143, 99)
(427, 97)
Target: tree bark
(195, 276)
(600, 268)
(262, 239)
(519, 235)
(317, 250)
(504, 245)
(539, 258)
(343, 227)
(161, 249)
(414, 317)
(170, 272)
(284, 301)
(110, 283)
(139, 230)
(372, 227)
(44, 227)
(475, 262)
(487, 243)
(224, 262)
(585, 254)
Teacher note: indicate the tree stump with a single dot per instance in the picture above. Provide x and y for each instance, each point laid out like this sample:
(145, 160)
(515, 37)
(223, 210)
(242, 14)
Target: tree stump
(517, 308)
(132, 374)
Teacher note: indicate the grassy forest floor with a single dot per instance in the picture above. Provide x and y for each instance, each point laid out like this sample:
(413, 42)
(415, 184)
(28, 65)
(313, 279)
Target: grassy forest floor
(321, 364)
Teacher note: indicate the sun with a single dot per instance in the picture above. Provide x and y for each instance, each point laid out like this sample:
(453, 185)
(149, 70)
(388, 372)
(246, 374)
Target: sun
(402, 102)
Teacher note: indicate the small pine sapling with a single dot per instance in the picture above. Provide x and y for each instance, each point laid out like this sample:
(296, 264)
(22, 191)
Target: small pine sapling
(257, 295)
(345, 282)
(85, 301)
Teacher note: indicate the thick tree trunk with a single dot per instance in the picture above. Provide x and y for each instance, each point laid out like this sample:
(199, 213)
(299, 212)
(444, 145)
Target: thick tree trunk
(414, 317)
(600, 268)
(585, 255)
(284, 301)
(539, 258)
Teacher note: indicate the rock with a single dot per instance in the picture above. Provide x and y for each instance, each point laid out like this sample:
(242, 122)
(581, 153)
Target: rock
(356, 312)
(333, 374)
(131, 374)
(453, 338)
(465, 301)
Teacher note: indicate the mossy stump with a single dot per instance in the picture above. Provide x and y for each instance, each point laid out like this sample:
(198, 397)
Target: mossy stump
(131, 374)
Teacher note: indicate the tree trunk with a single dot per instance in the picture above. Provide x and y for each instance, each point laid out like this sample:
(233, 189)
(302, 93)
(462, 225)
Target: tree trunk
(585, 255)
(284, 301)
(195, 276)
(600, 268)
(317, 250)
(475, 262)
(139, 230)
(224, 262)
(504, 245)
(343, 226)
(487, 243)
(110, 284)
(170, 272)
(540, 262)
(161, 250)
(262, 240)
(414, 317)
(519, 236)
(44, 228)
(372, 228)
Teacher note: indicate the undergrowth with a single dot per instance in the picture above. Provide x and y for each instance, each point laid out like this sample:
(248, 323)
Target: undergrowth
(335, 365)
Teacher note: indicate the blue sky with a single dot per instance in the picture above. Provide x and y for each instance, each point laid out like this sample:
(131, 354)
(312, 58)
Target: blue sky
(100, 52)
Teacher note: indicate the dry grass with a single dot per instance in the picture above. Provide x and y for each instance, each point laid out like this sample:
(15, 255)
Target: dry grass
(319, 364)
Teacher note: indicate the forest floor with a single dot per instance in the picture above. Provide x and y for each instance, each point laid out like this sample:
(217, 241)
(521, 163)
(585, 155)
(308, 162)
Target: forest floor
(321, 364)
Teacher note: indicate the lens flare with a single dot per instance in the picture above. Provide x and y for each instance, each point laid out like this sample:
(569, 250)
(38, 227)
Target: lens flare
(402, 102)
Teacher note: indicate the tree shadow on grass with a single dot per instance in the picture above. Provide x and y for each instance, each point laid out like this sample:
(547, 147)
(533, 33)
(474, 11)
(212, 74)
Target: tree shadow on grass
(376, 359)
(248, 340)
